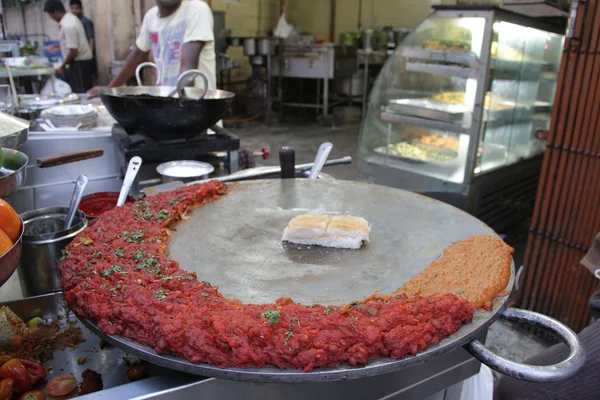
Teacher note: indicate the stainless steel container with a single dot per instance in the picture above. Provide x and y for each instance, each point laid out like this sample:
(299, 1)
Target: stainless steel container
(266, 46)
(250, 47)
(351, 87)
(44, 240)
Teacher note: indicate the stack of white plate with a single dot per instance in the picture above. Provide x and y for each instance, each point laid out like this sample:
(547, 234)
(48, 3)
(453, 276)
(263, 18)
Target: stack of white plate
(71, 115)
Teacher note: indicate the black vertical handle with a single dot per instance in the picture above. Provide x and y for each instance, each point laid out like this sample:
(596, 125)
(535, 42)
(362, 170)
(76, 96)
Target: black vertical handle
(287, 160)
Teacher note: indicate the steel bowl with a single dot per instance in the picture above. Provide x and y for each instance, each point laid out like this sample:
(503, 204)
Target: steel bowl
(14, 171)
(10, 260)
(184, 170)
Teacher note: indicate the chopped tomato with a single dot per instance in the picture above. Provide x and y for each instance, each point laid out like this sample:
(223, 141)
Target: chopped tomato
(33, 395)
(24, 373)
(5, 243)
(6, 389)
(61, 385)
(10, 222)
(136, 372)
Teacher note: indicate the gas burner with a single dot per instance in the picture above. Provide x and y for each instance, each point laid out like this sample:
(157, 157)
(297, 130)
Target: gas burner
(202, 147)
(152, 150)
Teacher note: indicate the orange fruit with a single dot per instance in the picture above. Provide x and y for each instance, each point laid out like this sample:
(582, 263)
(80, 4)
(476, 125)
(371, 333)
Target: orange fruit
(5, 243)
(10, 222)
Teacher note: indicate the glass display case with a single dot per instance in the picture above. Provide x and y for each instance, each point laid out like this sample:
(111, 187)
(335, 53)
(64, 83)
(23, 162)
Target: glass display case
(457, 110)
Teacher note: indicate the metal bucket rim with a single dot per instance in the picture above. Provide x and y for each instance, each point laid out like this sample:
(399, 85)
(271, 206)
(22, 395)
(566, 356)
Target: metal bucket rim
(79, 224)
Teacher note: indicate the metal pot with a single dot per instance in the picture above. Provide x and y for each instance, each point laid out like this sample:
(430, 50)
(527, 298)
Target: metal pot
(44, 239)
(184, 171)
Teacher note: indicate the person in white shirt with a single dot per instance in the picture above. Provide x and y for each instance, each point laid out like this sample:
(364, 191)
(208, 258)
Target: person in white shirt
(77, 68)
(179, 33)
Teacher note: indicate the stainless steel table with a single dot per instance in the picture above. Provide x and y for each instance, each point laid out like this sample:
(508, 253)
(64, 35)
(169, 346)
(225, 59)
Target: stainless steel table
(25, 72)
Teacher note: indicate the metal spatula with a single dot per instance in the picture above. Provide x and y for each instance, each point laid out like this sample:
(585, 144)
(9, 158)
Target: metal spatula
(320, 160)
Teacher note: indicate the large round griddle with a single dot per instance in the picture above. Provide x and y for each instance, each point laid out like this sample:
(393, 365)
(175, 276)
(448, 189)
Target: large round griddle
(235, 243)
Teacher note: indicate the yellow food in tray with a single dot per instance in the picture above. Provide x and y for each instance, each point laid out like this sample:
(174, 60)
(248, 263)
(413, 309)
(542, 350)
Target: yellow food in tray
(420, 152)
(497, 104)
(433, 139)
(455, 46)
(450, 97)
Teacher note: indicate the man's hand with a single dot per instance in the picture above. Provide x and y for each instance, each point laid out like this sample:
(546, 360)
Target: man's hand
(93, 92)
(60, 71)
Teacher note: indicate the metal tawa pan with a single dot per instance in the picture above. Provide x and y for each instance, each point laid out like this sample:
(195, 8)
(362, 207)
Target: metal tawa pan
(235, 243)
(165, 113)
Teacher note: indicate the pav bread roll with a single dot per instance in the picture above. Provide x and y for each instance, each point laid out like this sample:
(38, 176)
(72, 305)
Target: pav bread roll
(345, 232)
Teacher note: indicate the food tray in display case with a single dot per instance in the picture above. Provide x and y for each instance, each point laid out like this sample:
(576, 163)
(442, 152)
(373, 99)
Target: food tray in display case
(415, 152)
(442, 56)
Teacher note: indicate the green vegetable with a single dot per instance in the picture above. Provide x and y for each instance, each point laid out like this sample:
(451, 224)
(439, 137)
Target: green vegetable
(161, 295)
(112, 270)
(1, 158)
(288, 335)
(163, 214)
(272, 316)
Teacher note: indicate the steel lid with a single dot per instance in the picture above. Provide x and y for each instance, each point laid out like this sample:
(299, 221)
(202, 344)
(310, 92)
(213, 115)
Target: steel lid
(184, 169)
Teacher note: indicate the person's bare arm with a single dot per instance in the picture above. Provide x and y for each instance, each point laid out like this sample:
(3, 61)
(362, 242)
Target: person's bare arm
(92, 43)
(135, 58)
(190, 53)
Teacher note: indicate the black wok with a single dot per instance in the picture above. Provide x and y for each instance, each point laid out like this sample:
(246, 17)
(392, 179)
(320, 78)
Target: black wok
(151, 111)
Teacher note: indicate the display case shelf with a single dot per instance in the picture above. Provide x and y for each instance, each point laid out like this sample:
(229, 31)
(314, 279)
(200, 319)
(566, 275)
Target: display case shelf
(442, 70)
(388, 116)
